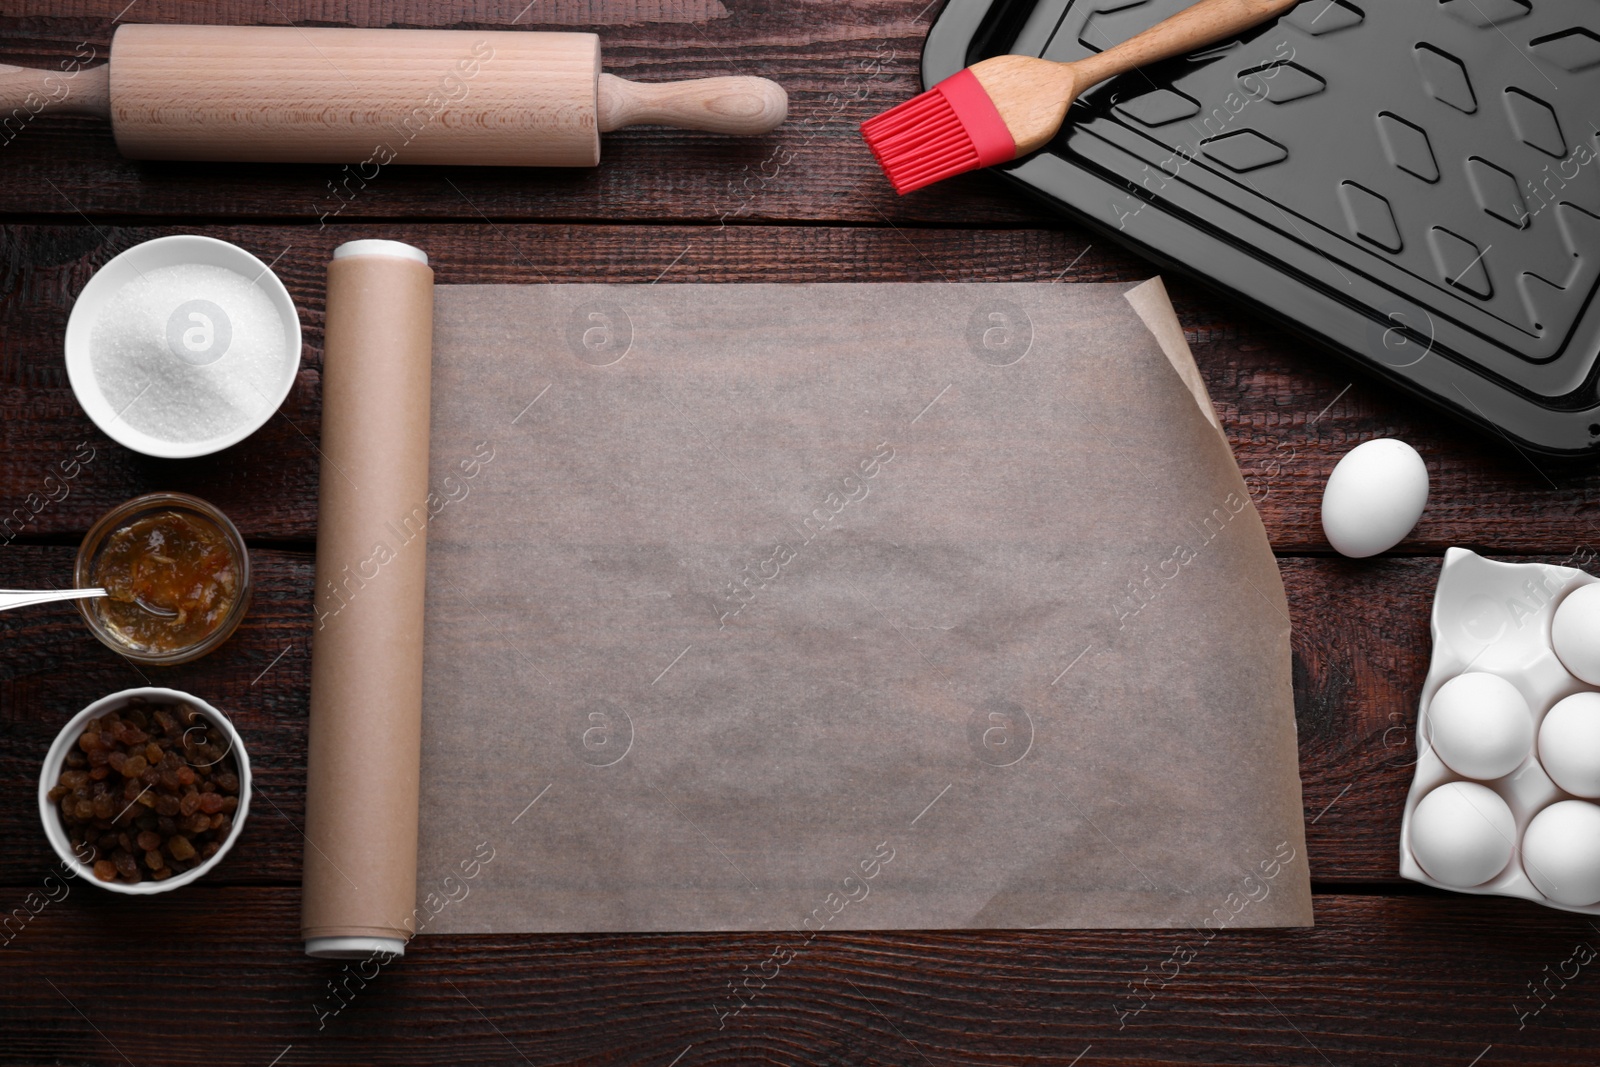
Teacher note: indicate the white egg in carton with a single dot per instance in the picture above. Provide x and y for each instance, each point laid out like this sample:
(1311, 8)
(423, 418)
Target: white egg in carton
(1485, 813)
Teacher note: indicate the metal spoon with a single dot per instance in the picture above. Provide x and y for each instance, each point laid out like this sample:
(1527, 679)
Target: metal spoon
(21, 598)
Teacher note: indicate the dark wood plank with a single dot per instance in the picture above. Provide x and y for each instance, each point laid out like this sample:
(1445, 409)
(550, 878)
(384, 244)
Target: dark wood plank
(860, 59)
(260, 679)
(1358, 671)
(1425, 980)
(1290, 410)
(1393, 972)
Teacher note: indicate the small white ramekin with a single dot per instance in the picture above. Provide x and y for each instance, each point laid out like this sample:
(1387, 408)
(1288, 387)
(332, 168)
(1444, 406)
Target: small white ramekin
(124, 268)
(55, 761)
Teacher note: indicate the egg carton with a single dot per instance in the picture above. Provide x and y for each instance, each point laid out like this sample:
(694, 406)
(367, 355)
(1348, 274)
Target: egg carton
(1496, 617)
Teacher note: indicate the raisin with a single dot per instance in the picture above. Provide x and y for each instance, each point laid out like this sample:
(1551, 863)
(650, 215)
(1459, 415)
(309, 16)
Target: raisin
(133, 807)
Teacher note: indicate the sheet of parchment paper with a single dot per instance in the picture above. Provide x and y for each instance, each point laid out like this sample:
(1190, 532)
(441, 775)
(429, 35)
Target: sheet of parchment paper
(855, 606)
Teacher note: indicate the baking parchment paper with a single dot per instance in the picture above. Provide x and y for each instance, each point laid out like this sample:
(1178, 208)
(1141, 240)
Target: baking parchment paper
(845, 606)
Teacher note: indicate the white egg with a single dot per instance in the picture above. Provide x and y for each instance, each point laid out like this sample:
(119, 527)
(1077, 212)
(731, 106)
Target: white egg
(1374, 497)
(1569, 744)
(1561, 852)
(1462, 833)
(1575, 632)
(1480, 725)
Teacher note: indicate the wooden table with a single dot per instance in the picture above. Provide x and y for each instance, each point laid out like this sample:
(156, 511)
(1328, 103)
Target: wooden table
(1392, 972)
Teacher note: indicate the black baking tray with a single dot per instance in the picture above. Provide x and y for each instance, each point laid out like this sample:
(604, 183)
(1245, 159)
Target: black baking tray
(1415, 184)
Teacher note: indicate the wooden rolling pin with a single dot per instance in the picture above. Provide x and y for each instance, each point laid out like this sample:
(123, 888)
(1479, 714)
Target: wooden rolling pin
(278, 94)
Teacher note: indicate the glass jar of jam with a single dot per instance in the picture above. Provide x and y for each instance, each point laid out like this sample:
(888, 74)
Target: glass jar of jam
(177, 575)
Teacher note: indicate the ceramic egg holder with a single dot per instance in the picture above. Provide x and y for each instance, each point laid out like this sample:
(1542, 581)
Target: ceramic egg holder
(1495, 617)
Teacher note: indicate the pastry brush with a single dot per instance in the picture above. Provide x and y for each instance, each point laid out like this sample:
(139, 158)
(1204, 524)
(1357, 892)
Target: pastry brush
(1008, 106)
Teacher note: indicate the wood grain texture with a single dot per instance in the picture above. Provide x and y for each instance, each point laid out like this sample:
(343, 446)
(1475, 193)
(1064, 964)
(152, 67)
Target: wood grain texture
(1427, 980)
(37, 91)
(1290, 411)
(839, 69)
(1357, 678)
(1393, 972)
(366, 97)
(734, 105)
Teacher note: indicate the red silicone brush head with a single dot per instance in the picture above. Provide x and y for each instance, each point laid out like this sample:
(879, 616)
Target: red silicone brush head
(948, 130)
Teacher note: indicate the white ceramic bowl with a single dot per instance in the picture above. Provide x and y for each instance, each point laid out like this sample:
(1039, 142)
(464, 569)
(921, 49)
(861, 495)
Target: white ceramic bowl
(129, 266)
(55, 760)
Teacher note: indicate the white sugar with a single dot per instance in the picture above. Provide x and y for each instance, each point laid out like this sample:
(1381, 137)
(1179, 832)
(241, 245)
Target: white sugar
(149, 346)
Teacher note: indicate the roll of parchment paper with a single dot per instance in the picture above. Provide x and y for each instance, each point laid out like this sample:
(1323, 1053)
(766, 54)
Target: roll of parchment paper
(366, 665)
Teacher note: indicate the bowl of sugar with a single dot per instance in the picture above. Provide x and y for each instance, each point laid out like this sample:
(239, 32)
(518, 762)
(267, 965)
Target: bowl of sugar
(182, 346)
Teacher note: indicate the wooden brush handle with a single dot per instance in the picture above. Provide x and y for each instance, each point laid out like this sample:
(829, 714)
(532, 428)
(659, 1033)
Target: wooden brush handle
(1188, 31)
(720, 105)
(26, 91)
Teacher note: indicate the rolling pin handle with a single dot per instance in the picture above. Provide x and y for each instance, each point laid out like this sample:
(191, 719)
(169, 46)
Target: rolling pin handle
(26, 91)
(738, 105)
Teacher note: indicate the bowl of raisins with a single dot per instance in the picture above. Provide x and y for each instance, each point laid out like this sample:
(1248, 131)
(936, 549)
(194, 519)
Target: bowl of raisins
(145, 790)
